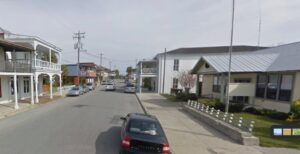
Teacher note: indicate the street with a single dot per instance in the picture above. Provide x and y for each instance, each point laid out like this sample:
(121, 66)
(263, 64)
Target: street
(87, 124)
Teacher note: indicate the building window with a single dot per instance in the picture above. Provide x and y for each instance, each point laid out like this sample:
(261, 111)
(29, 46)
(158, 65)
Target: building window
(272, 86)
(26, 85)
(176, 65)
(175, 83)
(285, 90)
(261, 86)
(217, 84)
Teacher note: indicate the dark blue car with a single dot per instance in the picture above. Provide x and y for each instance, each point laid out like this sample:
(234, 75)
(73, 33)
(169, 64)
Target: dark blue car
(143, 134)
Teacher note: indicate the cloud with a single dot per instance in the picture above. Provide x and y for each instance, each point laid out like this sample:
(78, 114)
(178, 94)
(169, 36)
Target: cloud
(125, 30)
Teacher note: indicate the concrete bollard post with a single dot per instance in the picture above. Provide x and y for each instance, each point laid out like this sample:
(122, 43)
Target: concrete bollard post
(195, 105)
(251, 126)
(231, 118)
(240, 122)
(212, 111)
(189, 102)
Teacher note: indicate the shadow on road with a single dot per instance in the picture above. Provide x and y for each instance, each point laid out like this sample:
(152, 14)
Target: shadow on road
(108, 142)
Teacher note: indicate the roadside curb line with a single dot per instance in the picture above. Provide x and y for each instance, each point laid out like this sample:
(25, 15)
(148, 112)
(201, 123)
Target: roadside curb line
(141, 104)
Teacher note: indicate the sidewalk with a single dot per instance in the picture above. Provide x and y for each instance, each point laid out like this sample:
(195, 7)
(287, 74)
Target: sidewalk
(187, 135)
(7, 110)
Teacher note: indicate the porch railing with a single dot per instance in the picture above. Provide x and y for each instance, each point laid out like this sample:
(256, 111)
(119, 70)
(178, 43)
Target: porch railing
(149, 70)
(23, 66)
(45, 65)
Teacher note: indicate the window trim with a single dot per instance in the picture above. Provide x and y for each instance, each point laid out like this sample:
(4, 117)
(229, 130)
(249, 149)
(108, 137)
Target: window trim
(176, 83)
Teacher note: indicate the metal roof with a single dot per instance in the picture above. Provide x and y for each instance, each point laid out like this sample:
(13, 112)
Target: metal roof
(281, 58)
(215, 49)
(241, 62)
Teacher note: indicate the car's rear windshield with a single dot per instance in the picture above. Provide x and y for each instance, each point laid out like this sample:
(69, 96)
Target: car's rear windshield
(75, 88)
(129, 85)
(89, 84)
(145, 127)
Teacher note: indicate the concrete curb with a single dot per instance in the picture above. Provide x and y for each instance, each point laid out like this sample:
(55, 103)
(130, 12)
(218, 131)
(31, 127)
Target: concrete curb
(141, 104)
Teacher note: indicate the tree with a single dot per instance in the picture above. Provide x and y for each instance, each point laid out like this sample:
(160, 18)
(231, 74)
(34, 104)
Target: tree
(186, 80)
(64, 73)
(129, 70)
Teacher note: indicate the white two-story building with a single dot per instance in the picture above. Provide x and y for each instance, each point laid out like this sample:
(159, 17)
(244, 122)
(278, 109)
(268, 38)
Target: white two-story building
(164, 68)
(22, 68)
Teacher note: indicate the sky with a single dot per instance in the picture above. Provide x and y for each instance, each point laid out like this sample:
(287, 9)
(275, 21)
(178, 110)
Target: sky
(129, 30)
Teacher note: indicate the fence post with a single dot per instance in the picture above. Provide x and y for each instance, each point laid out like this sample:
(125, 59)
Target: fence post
(212, 111)
(240, 122)
(231, 118)
(251, 126)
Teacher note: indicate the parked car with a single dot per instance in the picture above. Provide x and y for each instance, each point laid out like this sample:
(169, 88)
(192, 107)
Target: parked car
(129, 88)
(85, 89)
(110, 87)
(75, 91)
(91, 86)
(104, 82)
(143, 134)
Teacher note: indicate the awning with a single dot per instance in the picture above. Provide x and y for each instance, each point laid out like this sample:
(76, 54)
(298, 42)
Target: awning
(10, 46)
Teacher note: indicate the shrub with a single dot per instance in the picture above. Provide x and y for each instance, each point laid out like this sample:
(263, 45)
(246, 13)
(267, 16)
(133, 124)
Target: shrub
(236, 107)
(215, 103)
(295, 108)
(278, 115)
(253, 110)
(186, 97)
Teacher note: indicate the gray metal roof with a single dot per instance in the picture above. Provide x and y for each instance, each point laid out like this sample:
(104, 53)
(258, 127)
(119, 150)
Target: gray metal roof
(281, 58)
(214, 49)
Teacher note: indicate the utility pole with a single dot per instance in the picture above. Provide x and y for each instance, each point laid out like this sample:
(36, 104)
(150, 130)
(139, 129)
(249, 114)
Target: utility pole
(100, 65)
(164, 72)
(79, 35)
(110, 65)
(230, 56)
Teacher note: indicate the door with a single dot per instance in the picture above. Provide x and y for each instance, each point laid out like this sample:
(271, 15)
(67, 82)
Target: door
(199, 89)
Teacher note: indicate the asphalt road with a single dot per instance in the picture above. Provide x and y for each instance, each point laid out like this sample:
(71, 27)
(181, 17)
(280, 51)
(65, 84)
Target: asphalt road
(88, 124)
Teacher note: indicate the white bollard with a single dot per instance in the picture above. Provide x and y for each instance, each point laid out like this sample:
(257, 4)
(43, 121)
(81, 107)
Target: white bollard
(189, 102)
(251, 126)
(198, 106)
(212, 111)
(217, 114)
(240, 122)
(231, 118)
(207, 109)
(202, 107)
(225, 116)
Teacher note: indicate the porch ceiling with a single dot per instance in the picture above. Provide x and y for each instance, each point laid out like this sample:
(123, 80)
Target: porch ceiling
(10, 46)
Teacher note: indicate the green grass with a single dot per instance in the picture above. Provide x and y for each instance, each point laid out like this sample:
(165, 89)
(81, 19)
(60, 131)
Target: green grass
(262, 130)
(170, 97)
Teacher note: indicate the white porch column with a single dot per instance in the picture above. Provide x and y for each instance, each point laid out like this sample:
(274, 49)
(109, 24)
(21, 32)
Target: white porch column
(16, 92)
(31, 89)
(60, 85)
(141, 78)
(50, 59)
(36, 88)
(51, 84)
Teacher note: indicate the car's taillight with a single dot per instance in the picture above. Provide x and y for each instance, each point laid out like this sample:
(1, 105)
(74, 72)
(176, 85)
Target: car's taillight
(126, 142)
(166, 149)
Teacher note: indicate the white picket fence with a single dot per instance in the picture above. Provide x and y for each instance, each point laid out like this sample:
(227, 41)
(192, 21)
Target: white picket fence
(230, 118)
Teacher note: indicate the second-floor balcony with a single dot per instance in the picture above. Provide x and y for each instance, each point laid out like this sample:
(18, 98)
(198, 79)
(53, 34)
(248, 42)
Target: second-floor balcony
(45, 65)
(21, 66)
(149, 70)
